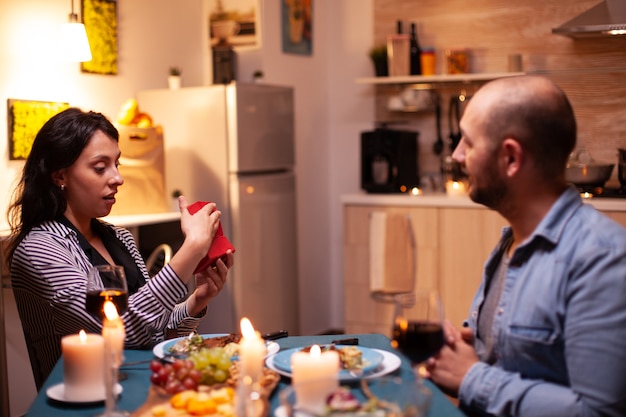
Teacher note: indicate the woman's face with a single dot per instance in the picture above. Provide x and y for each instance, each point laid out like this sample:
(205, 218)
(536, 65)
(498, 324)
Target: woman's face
(91, 182)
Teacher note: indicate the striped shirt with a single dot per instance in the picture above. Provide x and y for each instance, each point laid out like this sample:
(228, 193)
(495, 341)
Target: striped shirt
(49, 274)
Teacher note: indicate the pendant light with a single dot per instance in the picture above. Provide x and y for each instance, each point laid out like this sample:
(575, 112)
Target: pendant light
(73, 42)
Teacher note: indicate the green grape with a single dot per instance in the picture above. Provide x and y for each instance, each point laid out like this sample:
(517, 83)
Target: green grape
(199, 359)
(223, 363)
(220, 375)
(213, 355)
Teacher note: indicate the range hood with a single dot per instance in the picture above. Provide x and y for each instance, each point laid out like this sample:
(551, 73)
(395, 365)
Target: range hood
(605, 19)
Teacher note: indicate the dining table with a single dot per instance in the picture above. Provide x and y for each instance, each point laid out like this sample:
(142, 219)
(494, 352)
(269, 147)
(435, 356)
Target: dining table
(136, 384)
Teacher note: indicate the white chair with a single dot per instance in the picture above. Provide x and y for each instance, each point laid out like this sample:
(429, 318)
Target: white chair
(159, 257)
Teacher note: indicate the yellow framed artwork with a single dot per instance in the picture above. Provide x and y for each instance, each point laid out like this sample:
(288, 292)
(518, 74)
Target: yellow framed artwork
(26, 117)
(100, 19)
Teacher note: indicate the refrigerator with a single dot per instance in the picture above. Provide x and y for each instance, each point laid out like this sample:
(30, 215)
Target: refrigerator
(233, 144)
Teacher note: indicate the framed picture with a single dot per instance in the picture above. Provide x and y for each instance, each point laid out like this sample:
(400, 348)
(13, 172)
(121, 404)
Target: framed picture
(26, 117)
(100, 19)
(235, 23)
(297, 26)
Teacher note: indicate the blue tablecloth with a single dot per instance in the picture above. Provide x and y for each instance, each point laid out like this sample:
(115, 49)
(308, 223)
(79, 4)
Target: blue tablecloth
(137, 384)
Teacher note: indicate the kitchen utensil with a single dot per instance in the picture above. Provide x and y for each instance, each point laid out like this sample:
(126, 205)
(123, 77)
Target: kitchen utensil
(621, 167)
(438, 145)
(583, 170)
(454, 119)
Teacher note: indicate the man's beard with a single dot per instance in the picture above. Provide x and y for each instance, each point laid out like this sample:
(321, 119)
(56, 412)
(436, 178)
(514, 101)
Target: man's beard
(491, 191)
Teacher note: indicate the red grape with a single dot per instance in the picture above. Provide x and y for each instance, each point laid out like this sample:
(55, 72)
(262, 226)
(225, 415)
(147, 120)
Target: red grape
(155, 366)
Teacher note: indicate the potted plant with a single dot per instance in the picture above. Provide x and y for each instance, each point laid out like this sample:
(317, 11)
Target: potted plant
(173, 79)
(257, 76)
(378, 55)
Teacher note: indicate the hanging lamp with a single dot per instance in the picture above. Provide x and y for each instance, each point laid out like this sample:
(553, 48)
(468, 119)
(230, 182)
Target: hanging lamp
(73, 42)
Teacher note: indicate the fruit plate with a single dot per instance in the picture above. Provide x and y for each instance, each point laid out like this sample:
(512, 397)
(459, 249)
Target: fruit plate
(160, 402)
(379, 362)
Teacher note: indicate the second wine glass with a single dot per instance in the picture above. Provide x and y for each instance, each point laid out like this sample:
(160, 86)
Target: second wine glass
(106, 283)
(418, 325)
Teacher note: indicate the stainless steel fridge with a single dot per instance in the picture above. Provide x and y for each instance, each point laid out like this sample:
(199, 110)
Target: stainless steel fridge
(234, 145)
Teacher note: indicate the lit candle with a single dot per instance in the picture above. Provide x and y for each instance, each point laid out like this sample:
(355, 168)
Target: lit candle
(113, 333)
(252, 351)
(315, 376)
(455, 188)
(83, 367)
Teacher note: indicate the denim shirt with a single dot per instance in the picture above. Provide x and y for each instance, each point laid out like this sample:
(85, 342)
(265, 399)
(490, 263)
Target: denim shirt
(560, 325)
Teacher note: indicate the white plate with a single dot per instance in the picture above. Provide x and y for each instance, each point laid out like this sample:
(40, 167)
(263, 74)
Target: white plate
(390, 363)
(371, 359)
(57, 393)
(161, 350)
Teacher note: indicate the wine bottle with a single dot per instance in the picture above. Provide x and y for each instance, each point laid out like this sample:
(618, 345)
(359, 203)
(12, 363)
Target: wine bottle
(415, 52)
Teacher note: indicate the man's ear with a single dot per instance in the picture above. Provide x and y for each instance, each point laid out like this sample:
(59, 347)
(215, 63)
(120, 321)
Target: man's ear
(512, 156)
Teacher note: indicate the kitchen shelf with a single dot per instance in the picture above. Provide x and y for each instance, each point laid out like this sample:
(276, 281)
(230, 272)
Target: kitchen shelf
(439, 78)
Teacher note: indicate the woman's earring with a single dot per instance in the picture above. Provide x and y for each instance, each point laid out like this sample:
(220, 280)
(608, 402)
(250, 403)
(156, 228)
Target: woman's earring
(62, 187)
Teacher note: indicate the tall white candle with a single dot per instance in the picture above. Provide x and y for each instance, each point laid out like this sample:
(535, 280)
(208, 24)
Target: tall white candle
(113, 333)
(252, 351)
(83, 367)
(315, 376)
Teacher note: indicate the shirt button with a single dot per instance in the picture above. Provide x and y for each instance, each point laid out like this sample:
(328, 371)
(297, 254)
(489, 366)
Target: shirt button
(500, 311)
(474, 314)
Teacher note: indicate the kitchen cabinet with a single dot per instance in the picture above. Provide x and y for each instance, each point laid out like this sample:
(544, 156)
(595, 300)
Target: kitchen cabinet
(454, 239)
(362, 313)
(452, 245)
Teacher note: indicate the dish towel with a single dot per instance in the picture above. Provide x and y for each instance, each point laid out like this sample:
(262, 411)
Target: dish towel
(392, 253)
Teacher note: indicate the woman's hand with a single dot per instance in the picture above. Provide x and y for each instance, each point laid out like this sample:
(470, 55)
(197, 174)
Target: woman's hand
(209, 283)
(199, 230)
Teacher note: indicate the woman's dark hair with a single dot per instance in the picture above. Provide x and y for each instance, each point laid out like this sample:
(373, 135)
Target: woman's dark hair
(58, 145)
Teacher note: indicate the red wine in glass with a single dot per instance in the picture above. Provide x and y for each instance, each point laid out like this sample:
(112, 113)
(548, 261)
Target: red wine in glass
(418, 325)
(106, 283)
(418, 340)
(96, 299)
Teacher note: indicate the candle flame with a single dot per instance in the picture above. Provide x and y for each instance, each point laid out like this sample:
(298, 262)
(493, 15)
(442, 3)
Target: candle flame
(247, 331)
(110, 311)
(315, 351)
(82, 336)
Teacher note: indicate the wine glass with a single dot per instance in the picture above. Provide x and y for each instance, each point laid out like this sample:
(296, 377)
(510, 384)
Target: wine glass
(418, 326)
(108, 283)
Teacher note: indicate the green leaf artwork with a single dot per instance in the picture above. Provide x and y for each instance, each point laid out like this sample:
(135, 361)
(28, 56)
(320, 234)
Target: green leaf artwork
(26, 117)
(100, 19)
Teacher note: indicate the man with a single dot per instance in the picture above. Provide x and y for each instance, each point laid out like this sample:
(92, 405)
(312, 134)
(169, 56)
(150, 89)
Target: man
(546, 335)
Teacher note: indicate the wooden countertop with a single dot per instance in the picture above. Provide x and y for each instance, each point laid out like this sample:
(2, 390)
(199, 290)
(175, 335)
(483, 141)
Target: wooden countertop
(442, 200)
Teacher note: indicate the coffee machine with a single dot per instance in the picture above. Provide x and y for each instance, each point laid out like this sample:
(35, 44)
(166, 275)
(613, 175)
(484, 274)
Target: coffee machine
(224, 63)
(389, 161)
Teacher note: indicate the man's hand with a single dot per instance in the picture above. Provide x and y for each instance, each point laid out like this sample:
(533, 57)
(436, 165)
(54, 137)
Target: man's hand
(448, 368)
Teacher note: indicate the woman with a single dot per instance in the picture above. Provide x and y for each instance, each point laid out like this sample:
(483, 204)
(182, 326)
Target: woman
(70, 180)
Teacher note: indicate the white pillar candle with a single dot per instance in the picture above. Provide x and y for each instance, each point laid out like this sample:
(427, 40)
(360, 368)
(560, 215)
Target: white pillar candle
(455, 189)
(252, 351)
(83, 367)
(315, 376)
